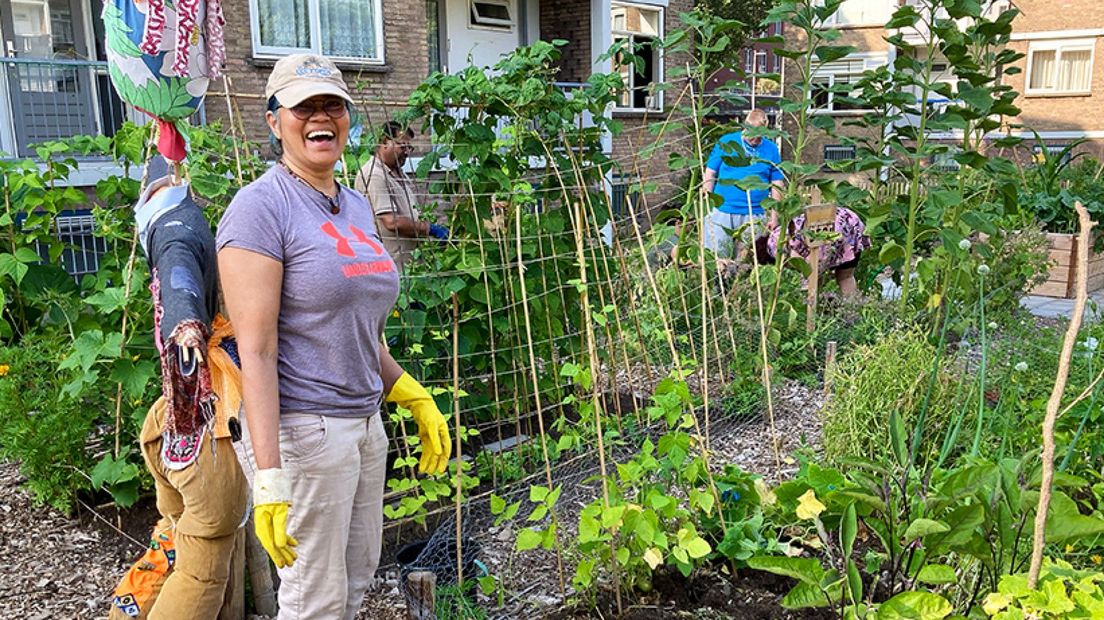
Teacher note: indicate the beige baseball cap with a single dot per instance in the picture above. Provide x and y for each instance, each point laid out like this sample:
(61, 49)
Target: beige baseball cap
(299, 77)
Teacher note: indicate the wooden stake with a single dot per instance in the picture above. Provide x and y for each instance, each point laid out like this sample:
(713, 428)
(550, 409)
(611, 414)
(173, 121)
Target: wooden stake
(829, 367)
(1084, 242)
(814, 286)
(422, 587)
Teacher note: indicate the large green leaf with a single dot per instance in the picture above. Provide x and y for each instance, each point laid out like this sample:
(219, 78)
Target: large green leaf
(915, 606)
(804, 595)
(849, 529)
(12, 266)
(937, 574)
(831, 53)
(964, 523)
(923, 527)
(806, 570)
(528, 539)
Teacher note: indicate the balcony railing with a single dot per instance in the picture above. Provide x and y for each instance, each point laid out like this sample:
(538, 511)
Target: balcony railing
(48, 99)
(53, 99)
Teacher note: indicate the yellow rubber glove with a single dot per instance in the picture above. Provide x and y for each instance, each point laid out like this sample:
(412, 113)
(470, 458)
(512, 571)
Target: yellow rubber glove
(271, 501)
(432, 429)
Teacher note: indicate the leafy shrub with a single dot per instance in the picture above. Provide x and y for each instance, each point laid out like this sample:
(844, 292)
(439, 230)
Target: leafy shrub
(1018, 262)
(871, 381)
(45, 433)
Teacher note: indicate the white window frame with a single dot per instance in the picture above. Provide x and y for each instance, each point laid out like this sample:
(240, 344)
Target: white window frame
(314, 15)
(1058, 46)
(657, 103)
(491, 23)
(869, 60)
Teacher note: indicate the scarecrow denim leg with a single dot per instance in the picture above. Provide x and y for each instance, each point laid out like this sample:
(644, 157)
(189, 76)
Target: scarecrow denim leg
(206, 501)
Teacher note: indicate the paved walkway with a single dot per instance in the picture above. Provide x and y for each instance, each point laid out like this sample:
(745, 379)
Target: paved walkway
(1052, 308)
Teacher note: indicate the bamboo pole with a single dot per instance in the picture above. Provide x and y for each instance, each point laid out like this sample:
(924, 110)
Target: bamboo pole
(596, 401)
(536, 389)
(459, 478)
(1084, 242)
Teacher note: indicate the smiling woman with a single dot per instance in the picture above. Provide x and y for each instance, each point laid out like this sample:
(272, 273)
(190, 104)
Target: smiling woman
(308, 281)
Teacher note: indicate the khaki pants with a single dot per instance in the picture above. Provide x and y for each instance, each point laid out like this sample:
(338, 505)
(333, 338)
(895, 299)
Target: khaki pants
(719, 229)
(206, 501)
(337, 468)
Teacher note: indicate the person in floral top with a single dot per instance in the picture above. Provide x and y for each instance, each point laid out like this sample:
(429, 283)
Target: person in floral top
(841, 256)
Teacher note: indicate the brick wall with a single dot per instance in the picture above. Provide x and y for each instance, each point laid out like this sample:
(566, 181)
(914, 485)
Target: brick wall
(568, 20)
(380, 91)
(637, 136)
(1060, 112)
(1044, 113)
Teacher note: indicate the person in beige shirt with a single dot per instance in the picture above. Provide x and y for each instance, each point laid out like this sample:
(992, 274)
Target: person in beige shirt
(391, 193)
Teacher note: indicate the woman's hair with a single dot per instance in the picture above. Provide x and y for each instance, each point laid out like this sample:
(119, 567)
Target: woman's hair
(391, 130)
(273, 141)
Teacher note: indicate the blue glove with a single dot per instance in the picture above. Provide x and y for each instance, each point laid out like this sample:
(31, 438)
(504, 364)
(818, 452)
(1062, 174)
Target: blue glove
(438, 231)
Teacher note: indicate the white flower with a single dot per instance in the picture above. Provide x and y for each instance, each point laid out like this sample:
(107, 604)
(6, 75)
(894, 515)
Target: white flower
(993, 325)
(1090, 343)
(983, 270)
(1020, 367)
(964, 244)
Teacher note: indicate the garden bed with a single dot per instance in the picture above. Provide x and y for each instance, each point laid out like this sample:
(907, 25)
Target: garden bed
(1062, 276)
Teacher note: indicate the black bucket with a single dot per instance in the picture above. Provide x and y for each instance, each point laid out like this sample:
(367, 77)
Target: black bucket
(409, 554)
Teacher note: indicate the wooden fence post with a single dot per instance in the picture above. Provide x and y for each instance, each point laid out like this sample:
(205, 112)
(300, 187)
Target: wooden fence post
(422, 600)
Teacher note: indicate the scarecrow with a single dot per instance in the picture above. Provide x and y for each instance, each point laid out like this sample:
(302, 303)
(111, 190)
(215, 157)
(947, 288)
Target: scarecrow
(161, 57)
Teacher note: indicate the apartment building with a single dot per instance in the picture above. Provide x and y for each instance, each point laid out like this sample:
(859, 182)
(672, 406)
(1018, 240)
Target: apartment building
(1060, 81)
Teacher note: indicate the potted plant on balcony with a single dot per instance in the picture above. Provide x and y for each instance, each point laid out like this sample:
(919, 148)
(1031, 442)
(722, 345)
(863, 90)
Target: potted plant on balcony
(1057, 181)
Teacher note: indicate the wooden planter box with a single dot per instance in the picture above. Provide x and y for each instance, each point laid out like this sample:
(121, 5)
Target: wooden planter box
(1062, 278)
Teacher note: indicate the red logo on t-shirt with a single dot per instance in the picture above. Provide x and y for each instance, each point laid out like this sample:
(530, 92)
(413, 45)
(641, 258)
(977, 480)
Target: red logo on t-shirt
(345, 248)
(345, 244)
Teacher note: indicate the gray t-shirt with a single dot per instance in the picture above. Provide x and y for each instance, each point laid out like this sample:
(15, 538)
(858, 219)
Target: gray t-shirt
(339, 287)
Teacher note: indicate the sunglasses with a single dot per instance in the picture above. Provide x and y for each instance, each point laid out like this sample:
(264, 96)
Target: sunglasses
(334, 108)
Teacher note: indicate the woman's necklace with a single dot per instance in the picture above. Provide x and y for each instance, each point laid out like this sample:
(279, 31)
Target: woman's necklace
(335, 206)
